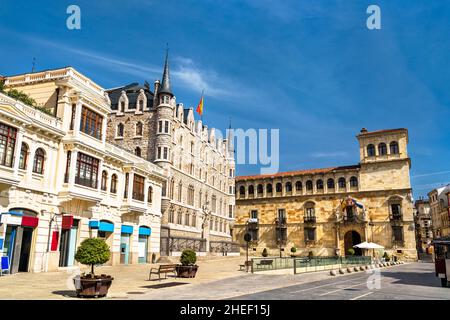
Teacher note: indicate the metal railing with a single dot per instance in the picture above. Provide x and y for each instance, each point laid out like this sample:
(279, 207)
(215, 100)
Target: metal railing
(223, 247)
(306, 264)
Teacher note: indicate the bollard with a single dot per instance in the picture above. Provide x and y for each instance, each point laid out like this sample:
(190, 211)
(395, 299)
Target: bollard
(332, 273)
(341, 271)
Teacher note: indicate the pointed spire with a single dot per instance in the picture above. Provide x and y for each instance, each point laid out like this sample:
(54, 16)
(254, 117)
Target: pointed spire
(165, 86)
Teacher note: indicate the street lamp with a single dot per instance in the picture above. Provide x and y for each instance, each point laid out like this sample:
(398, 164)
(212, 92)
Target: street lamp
(205, 217)
(371, 224)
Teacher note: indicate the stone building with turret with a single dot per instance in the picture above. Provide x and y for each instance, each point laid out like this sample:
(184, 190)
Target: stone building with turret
(325, 212)
(198, 198)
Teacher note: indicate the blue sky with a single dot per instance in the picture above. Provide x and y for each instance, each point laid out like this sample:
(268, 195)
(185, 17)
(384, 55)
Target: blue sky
(310, 68)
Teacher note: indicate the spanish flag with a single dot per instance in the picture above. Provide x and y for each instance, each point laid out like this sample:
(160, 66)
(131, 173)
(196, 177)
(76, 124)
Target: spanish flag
(200, 107)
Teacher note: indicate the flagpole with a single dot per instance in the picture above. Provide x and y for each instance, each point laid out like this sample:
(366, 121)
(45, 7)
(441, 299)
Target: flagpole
(203, 104)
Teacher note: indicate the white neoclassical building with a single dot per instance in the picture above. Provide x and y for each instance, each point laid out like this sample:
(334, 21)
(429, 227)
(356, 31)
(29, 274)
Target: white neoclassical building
(61, 182)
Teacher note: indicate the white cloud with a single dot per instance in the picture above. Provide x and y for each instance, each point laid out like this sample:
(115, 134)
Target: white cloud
(329, 154)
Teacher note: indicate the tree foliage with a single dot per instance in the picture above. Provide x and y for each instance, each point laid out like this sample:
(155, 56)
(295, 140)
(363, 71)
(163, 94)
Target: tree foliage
(93, 251)
(188, 257)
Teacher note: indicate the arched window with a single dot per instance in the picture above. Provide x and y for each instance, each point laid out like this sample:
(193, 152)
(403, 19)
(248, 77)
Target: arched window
(288, 187)
(114, 183)
(341, 182)
(269, 188)
(120, 130)
(137, 151)
(180, 192)
(150, 195)
(139, 129)
(242, 190)
(330, 183)
(23, 156)
(393, 146)
(278, 187)
(382, 149)
(141, 105)
(371, 150)
(104, 180)
(353, 182)
(122, 106)
(38, 163)
(191, 195)
(309, 185)
(298, 186)
(251, 189)
(319, 184)
(259, 189)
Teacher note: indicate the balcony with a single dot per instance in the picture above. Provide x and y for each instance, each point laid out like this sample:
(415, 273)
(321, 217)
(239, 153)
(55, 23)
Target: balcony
(350, 218)
(281, 221)
(309, 219)
(395, 217)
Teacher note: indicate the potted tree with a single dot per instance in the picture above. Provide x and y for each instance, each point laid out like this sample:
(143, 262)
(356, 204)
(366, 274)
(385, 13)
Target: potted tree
(265, 253)
(351, 252)
(293, 251)
(92, 251)
(187, 268)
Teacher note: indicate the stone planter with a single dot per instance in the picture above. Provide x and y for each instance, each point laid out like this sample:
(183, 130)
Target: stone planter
(186, 271)
(96, 287)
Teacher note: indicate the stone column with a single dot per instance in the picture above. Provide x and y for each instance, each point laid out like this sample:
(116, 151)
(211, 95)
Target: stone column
(18, 148)
(77, 119)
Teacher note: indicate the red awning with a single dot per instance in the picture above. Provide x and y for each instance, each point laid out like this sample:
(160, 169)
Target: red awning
(30, 222)
(67, 222)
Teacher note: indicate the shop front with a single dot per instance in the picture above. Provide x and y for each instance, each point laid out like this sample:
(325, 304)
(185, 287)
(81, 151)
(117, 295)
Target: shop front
(144, 235)
(18, 240)
(125, 235)
(69, 233)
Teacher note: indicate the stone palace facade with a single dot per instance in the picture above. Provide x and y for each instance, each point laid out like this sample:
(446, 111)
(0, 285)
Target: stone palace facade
(326, 212)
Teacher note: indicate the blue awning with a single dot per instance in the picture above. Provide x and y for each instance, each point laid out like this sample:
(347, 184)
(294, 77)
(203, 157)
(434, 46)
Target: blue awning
(94, 224)
(106, 226)
(14, 213)
(145, 231)
(127, 229)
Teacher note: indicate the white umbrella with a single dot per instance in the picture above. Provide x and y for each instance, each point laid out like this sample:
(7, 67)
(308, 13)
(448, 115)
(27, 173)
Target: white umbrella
(368, 245)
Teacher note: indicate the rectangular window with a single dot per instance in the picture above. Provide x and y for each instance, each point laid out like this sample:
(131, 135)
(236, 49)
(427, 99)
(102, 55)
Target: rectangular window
(160, 126)
(125, 192)
(138, 187)
(281, 234)
(159, 153)
(396, 211)
(281, 214)
(310, 234)
(86, 173)
(7, 143)
(166, 126)
(254, 214)
(66, 176)
(230, 211)
(165, 153)
(397, 233)
(72, 119)
(91, 123)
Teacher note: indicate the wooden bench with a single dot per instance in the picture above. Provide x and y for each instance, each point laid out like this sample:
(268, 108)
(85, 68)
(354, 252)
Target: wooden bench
(244, 266)
(264, 263)
(163, 268)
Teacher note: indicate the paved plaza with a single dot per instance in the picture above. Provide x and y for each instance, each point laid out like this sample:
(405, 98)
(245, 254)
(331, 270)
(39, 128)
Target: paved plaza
(221, 279)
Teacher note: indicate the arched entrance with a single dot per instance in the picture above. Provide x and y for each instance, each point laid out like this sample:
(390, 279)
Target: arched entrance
(352, 238)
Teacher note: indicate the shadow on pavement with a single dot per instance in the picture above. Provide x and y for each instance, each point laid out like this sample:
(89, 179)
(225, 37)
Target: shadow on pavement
(165, 285)
(66, 293)
(427, 279)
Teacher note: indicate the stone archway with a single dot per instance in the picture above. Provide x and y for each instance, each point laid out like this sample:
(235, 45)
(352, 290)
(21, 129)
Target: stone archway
(352, 238)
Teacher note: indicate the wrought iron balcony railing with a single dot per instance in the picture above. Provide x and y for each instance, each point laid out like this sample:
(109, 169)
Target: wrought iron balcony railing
(309, 219)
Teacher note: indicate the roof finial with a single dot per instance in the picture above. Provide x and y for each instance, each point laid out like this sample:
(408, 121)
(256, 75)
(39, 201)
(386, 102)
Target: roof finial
(165, 86)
